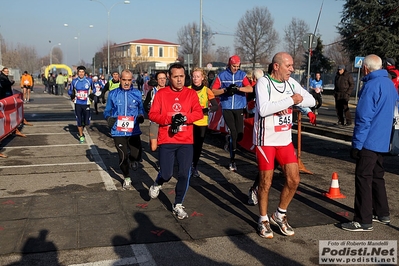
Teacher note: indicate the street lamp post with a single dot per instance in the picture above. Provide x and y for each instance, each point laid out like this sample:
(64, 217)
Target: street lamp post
(78, 37)
(51, 53)
(108, 12)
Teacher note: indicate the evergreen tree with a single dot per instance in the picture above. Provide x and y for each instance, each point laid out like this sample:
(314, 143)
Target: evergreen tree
(370, 27)
(318, 62)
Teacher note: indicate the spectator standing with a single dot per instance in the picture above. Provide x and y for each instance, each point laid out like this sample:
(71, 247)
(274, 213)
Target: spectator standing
(80, 92)
(316, 87)
(343, 87)
(371, 138)
(45, 83)
(59, 81)
(231, 85)
(276, 94)
(26, 84)
(5, 83)
(208, 103)
(175, 109)
(51, 83)
(124, 113)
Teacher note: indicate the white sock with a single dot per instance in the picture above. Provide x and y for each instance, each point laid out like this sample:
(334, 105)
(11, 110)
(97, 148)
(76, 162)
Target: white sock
(280, 213)
(263, 218)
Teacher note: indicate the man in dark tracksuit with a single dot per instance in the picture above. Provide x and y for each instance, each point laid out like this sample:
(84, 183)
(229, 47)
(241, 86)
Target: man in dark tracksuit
(343, 87)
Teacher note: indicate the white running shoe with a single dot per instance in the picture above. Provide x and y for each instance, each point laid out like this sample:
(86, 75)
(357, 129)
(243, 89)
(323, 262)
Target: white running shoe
(285, 228)
(264, 230)
(153, 192)
(178, 210)
(253, 196)
(127, 184)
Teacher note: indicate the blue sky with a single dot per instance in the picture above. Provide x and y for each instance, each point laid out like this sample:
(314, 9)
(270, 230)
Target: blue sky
(35, 22)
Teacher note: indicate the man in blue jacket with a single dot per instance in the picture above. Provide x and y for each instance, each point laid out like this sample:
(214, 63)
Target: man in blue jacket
(231, 85)
(80, 92)
(371, 137)
(124, 112)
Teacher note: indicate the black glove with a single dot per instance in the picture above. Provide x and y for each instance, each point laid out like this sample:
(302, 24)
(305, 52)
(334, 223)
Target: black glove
(73, 95)
(355, 153)
(103, 101)
(111, 121)
(205, 111)
(177, 120)
(232, 89)
(91, 96)
(140, 119)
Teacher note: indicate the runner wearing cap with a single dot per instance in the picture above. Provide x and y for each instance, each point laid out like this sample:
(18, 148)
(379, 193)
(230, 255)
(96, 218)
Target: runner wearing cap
(231, 85)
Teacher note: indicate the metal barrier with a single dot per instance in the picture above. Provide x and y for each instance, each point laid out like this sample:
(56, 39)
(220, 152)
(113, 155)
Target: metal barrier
(11, 115)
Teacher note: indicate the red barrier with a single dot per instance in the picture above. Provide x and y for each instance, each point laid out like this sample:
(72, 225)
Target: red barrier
(11, 114)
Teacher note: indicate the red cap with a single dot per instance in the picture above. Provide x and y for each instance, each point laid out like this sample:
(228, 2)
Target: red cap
(234, 60)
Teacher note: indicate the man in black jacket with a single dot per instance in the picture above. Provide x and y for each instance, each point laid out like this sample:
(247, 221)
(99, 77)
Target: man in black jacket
(343, 87)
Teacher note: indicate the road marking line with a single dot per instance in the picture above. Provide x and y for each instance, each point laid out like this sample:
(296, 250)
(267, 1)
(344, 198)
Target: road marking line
(105, 176)
(122, 261)
(46, 134)
(143, 255)
(46, 164)
(41, 146)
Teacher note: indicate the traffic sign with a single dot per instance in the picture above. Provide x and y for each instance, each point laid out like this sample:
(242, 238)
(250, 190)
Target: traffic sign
(309, 41)
(359, 61)
(209, 66)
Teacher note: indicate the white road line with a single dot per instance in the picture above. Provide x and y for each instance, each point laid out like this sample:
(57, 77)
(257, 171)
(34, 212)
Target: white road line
(48, 164)
(141, 253)
(41, 146)
(326, 138)
(105, 176)
(122, 261)
(46, 134)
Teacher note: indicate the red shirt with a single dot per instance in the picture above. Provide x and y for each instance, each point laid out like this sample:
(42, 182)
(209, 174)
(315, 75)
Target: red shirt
(168, 103)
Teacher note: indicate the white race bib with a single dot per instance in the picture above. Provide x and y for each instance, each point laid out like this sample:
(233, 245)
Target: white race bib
(283, 122)
(81, 95)
(125, 123)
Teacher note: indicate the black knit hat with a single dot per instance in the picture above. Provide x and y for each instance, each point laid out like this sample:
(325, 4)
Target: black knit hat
(390, 61)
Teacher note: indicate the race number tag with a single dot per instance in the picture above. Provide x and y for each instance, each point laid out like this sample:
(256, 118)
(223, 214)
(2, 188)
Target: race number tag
(125, 123)
(283, 122)
(81, 95)
(98, 90)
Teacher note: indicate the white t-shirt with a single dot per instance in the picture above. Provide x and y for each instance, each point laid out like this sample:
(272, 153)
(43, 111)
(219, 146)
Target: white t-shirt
(272, 127)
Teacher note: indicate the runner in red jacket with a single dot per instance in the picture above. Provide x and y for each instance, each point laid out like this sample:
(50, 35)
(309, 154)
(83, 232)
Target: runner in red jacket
(175, 108)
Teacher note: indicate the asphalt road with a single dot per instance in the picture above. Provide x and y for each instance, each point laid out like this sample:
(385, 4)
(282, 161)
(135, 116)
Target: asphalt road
(61, 202)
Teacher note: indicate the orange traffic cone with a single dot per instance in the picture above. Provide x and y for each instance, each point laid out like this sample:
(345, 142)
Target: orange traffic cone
(334, 192)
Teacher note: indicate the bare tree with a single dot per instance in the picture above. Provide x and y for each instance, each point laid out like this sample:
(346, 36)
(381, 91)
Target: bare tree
(255, 36)
(223, 54)
(188, 37)
(293, 35)
(337, 53)
(57, 55)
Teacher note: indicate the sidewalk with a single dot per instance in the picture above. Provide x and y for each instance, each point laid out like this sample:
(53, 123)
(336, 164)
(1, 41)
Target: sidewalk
(58, 195)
